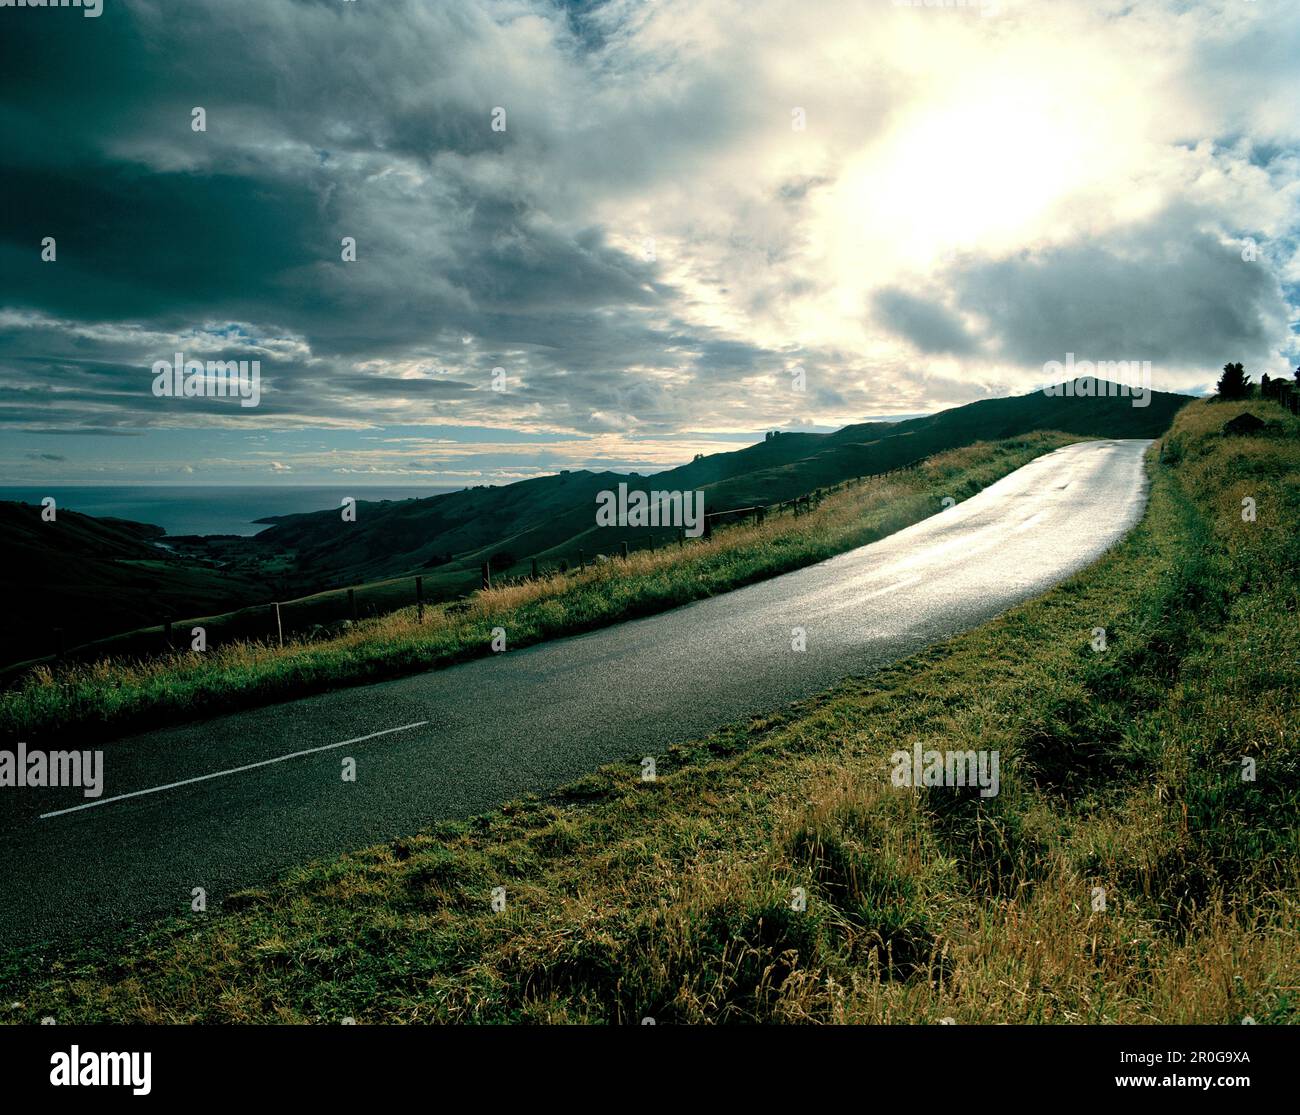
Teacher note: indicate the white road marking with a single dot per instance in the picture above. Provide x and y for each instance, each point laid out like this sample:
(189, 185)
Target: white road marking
(233, 770)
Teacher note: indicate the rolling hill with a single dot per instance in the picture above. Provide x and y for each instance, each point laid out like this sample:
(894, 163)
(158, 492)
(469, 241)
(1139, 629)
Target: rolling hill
(95, 576)
(554, 515)
(100, 576)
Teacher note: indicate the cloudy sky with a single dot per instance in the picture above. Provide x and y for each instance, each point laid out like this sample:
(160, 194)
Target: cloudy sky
(680, 204)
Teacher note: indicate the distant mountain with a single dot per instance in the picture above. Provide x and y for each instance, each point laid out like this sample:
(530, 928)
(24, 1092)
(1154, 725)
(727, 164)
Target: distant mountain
(106, 575)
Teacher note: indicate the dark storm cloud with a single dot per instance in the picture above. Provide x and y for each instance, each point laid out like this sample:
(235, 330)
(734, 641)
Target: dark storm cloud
(929, 326)
(327, 120)
(1163, 291)
(519, 268)
(135, 245)
(44, 392)
(399, 388)
(721, 358)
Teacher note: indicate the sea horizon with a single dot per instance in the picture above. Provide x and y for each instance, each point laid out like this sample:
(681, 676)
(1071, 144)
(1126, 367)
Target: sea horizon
(207, 509)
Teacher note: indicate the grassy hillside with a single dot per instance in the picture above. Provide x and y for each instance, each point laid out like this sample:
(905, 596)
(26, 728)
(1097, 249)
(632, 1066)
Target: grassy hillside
(95, 576)
(1005, 417)
(554, 515)
(76, 582)
(83, 701)
(1121, 769)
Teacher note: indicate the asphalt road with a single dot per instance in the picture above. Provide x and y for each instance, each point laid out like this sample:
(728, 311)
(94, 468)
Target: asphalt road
(531, 720)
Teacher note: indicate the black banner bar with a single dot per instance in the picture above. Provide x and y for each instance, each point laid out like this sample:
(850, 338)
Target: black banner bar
(1211, 1064)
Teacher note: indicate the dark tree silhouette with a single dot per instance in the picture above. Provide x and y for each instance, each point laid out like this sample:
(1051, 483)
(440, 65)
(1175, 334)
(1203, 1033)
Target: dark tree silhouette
(1234, 383)
(1297, 377)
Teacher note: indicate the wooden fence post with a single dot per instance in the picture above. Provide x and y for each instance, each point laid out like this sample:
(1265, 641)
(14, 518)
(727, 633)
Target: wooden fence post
(624, 545)
(534, 569)
(419, 599)
(167, 634)
(279, 627)
(487, 575)
(582, 559)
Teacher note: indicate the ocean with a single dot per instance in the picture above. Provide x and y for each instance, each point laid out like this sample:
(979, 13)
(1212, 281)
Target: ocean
(207, 509)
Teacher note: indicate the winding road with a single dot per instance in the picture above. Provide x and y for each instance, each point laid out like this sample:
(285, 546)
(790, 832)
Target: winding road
(228, 803)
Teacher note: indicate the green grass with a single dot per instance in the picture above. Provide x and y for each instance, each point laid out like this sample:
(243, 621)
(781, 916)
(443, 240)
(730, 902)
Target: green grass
(112, 696)
(672, 898)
